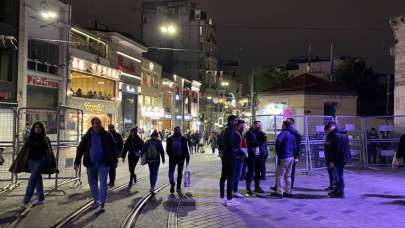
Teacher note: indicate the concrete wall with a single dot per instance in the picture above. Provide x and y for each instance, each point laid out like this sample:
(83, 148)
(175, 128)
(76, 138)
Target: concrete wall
(398, 26)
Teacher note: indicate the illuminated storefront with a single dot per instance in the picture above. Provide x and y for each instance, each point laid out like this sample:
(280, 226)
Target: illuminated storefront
(94, 89)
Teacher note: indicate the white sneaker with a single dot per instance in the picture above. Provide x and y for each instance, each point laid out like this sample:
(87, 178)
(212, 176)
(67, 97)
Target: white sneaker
(223, 201)
(238, 195)
(232, 203)
(38, 202)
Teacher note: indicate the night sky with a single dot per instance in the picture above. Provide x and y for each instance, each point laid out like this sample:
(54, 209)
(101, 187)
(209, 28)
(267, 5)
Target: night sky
(271, 31)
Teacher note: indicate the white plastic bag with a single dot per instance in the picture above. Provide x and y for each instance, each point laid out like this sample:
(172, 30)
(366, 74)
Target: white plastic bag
(187, 178)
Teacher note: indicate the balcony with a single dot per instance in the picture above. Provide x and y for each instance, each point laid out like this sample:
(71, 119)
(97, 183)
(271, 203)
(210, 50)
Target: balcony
(43, 67)
(88, 43)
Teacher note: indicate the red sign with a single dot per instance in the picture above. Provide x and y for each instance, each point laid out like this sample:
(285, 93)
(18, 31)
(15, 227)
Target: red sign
(127, 68)
(44, 82)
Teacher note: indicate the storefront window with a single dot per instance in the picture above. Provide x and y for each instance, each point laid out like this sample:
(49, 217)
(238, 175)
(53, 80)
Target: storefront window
(88, 86)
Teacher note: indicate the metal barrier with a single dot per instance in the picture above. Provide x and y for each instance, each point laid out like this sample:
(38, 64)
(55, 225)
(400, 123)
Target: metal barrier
(7, 144)
(64, 127)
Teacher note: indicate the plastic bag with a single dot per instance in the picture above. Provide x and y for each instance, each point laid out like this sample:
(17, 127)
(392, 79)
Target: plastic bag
(187, 178)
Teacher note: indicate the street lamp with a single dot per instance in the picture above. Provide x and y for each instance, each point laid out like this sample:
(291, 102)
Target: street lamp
(169, 29)
(46, 14)
(224, 84)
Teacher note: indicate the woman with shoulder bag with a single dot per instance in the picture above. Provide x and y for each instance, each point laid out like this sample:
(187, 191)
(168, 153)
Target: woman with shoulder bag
(133, 145)
(36, 157)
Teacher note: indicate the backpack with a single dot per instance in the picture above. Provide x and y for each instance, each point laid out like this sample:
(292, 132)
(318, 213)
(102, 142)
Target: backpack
(177, 150)
(151, 153)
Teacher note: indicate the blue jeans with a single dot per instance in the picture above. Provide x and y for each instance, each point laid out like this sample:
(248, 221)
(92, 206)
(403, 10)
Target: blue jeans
(340, 181)
(35, 181)
(153, 173)
(238, 173)
(98, 173)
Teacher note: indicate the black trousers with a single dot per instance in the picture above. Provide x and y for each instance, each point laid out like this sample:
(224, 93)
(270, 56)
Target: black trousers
(254, 168)
(293, 175)
(173, 162)
(227, 174)
(332, 177)
(132, 162)
(112, 173)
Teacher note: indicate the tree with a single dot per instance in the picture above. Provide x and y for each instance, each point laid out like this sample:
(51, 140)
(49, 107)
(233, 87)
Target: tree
(357, 76)
(268, 77)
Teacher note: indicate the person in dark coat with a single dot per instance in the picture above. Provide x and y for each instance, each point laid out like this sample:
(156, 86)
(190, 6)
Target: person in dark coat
(153, 152)
(254, 159)
(298, 137)
(133, 146)
(98, 151)
(36, 157)
(119, 144)
(372, 146)
(338, 149)
(285, 148)
(177, 150)
(264, 153)
(213, 141)
(229, 147)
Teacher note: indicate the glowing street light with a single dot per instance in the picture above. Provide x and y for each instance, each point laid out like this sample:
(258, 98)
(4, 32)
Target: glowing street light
(168, 29)
(224, 84)
(48, 15)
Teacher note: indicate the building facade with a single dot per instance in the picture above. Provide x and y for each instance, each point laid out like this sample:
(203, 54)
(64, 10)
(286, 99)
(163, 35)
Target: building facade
(398, 26)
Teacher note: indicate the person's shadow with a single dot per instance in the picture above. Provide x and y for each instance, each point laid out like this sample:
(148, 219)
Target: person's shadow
(180, 204)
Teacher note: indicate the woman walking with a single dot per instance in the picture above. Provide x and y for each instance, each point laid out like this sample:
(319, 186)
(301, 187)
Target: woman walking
(151, 153)
(133, 146)
(36, 157)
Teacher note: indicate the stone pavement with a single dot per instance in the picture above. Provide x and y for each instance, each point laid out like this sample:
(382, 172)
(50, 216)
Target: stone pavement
(374, 198)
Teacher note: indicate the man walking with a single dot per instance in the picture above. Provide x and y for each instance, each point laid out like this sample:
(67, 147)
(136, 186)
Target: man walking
(119, 144)
(98, 151)
(177, 150)
(338, 149)
(229, 146)
(285, 148)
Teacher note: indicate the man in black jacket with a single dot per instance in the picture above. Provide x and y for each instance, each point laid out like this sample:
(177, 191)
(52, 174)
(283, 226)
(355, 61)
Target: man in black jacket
(254, 160)
(338, 149)
(229, 146)
(177, 150)
(119, 144)
(97, 149)
(298, 137)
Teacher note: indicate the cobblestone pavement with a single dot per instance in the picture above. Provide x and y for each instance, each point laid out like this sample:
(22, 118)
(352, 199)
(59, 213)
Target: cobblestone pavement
(374, 198)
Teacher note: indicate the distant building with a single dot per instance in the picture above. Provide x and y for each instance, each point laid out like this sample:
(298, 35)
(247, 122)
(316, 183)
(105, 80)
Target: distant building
(180, 36)
(398, 26)
(307, 94)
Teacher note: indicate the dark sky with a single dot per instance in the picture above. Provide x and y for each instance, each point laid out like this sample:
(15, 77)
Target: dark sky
(246, 30)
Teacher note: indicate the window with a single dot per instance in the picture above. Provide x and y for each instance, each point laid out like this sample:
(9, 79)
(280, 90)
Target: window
(43, 52)
(88, 86)
(5, 63)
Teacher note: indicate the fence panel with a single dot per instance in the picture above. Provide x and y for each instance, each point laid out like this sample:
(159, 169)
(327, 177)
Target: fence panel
(64, 127)
(382, 136)
(354, 127)
(7, 144)
(315, 140)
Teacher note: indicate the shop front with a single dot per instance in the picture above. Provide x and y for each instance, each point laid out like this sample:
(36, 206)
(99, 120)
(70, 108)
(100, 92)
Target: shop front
(94, 89)
(129, 106)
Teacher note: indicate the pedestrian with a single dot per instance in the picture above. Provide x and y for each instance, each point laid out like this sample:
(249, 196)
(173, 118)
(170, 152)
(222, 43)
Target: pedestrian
(119, 144)
(98, 151)
(285, 148)
(298, 137)
(36, 157)
(190, 142)
(372, 146)
(152, 152)
(196, 142)
(254, 164)
(240, 156)
(337, 146)
(264, 153)
(133, 146)
(229, 147)
(213, 142)
(178, 153)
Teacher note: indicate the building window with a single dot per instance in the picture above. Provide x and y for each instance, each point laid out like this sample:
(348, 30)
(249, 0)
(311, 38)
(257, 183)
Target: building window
(88, 86)
(88, 43)
(5, 63)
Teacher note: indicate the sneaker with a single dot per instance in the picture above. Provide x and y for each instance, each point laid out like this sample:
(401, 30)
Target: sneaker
(111, 185)
(223, 201)
(152, 191)
(178, 189)
(95, 205)
(38, 202)
(336, 194)
(276, 195)
(259, 190)
(101, 209)
(273, 188)
(238, 195)
(249, 192)
(288, 195)
(232, 203)
(330, 188)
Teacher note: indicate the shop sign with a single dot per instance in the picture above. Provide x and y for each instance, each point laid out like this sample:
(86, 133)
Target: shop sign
(41, 81)
(187, 117)
(168, 116)
(94, 108)
(96, 69)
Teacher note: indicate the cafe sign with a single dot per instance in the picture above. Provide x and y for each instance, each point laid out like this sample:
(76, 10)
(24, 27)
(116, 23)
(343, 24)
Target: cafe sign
(43, 82)
(93, 107)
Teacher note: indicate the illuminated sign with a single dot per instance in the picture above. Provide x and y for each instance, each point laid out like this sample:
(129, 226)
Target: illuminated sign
(168, 116)
(43, 82)
(95, 69)
(95, 108)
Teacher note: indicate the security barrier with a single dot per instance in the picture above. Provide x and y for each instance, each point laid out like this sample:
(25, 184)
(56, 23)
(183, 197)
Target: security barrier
(8, 118)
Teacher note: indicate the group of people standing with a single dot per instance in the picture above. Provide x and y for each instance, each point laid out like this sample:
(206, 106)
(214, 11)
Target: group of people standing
(99, 149)
(239, 148)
